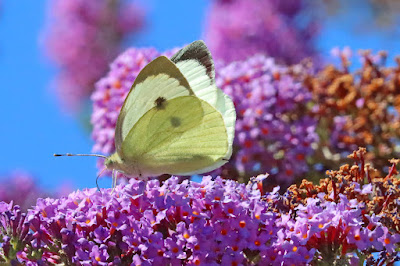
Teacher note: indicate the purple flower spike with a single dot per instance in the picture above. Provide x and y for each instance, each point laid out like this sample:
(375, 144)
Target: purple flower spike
(22, 189)
(238, 29)
(15, 235)
(274, 133)
(188, 225)
(82, 38)
(213, 222)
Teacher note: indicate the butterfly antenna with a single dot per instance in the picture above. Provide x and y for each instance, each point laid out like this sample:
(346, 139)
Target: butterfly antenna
(70, 154)
(97, 178)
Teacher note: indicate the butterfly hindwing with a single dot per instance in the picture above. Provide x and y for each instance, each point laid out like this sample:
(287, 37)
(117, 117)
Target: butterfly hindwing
(196, 64)
(226, 108)
(184, 137)
(160, 79)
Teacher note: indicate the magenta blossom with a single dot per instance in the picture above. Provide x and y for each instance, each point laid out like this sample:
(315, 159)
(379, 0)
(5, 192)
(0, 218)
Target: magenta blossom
(82, 38)
(237, 29)
(22, 189)
(211, 222)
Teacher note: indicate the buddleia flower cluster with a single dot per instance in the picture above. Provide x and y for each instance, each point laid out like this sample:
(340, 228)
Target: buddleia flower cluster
(150, 223)
(21, 189)
(356, 108)
(274, 132)
(82, 38)
(237, 29)
(213, 222)
(376, 197)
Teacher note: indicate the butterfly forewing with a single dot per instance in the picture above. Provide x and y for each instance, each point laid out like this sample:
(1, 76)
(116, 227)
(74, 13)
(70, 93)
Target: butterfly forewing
(196, 51)
(160, 79)
(184, 138)
(196, 64)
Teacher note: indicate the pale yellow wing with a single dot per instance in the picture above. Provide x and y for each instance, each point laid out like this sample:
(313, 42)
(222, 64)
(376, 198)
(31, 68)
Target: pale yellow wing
(159, 80)
(196, 64)
(185, 137)
(225, 106)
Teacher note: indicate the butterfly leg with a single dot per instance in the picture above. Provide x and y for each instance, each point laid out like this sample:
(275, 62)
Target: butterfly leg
(97, 178)
(114, 180)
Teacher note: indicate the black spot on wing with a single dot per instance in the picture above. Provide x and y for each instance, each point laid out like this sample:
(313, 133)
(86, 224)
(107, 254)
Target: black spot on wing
(175, 121)
(160, 103)
(196, 50)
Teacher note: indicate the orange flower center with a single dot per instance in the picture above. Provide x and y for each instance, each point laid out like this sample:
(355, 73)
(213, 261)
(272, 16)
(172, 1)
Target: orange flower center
(242, 224)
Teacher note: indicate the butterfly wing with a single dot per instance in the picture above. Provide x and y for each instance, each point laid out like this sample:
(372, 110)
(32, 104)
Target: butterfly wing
(185, 137)
(225, 106)
(196, 64)
(160, 79)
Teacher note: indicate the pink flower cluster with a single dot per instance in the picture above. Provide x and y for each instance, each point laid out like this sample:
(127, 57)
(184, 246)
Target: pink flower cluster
(238, 29)
(274, 130)
(20, 188)
(82, 38)
(208, 223)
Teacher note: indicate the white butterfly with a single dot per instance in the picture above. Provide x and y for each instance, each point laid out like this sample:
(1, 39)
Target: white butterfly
(174, 119)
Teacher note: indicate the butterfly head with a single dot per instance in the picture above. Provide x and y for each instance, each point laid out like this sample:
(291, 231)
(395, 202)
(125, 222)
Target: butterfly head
(113, 162)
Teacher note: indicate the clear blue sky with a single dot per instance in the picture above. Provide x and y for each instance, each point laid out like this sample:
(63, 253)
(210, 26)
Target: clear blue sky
(33, 127)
